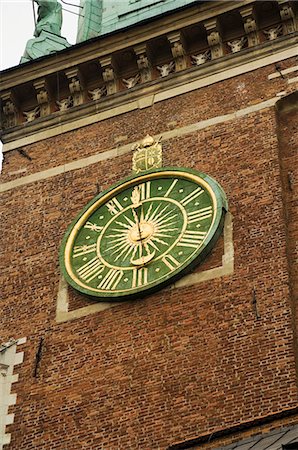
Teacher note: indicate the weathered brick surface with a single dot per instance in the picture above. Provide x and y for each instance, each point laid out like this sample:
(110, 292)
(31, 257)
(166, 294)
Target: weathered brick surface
(180, 363)
(288, 146)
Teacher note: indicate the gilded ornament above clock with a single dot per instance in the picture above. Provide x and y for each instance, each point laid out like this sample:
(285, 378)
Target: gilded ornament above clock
(147, 155)
(143, 233)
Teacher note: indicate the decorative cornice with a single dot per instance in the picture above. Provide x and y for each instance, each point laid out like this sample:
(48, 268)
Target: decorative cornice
(175, 56)
(114, 42)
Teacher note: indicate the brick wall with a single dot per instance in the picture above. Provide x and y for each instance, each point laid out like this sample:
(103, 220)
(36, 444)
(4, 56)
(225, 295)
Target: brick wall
(287, 117)
(183, 362)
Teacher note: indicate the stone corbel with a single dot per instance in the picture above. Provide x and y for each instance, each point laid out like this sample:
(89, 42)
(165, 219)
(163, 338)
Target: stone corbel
(75, 86)
(10, 110)
(143, 63)
(214, 38)
(287, 17)
(177, 51)
(42, 95)
(250, 26)
(108, 75)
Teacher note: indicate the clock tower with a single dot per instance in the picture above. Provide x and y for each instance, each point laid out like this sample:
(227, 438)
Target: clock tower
(149, 231)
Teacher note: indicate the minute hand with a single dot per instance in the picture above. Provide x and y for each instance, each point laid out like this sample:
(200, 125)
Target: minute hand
(135, 215)
(143, 259)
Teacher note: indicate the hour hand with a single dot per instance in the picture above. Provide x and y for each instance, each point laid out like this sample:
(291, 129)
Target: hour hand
(136, 197)
(143, 260)
(136, 217)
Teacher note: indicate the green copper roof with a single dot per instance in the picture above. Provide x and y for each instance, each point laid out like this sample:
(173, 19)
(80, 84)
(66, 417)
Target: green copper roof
(105, 16)
(89, 24)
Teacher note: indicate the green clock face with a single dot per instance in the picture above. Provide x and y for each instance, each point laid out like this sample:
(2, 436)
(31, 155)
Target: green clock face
(143, 233)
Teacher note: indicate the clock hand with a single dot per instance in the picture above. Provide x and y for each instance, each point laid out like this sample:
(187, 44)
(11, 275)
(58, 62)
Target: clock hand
(136, 197)
(135, 215)
(136, 203)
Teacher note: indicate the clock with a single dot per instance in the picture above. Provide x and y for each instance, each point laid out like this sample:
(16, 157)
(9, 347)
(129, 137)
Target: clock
(143, 233)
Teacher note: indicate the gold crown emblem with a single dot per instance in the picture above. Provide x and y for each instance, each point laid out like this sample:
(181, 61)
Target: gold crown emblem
(147, 141)
(147, 155)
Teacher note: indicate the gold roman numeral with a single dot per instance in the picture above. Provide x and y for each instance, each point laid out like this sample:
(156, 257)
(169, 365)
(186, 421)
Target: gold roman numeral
(93, 226)
(81, 250)
(201, 214)
(114, 206)
(171, 187)
(192, 196)
(145, 190)
(139, 277)
(111, 279)
(192, 239)
(170, 262)
(91, 269)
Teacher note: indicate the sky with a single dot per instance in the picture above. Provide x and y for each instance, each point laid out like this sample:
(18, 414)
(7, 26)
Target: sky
(17, 27)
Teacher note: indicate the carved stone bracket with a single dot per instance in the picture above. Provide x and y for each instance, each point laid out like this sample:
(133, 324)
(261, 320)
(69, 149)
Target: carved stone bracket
(287, 17)
(42, 95)
(177, 51)
(214, 38)
(10, 110)
(108, 75)
(75, 85)
(143, 63)
(250, 26)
